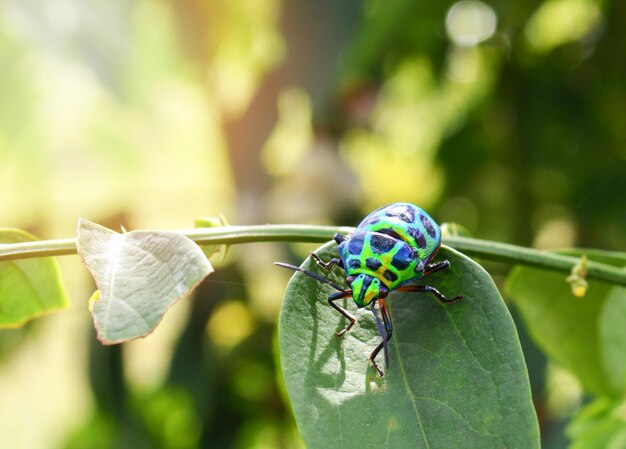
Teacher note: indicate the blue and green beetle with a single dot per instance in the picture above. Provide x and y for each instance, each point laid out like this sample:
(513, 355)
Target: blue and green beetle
(390, 249)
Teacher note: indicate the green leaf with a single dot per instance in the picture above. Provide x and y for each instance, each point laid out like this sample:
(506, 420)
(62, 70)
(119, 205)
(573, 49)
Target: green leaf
(584, 335)
(613, 338)
(139, 274)
(28, 287)
(599, 425)
(456, 379)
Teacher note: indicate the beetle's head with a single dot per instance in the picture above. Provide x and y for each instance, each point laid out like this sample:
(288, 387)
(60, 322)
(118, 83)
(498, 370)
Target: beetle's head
(366, 289)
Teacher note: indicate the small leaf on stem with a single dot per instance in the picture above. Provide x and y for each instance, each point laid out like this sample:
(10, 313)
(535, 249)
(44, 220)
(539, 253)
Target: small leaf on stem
(139, 274)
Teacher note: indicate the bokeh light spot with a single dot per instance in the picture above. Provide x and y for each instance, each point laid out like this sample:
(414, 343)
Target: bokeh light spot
(231, 322)
(470, 22)
(556, 233)
(557, 22)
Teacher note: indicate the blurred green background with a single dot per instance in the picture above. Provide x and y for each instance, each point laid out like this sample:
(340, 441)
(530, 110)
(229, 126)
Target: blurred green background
(506, 117)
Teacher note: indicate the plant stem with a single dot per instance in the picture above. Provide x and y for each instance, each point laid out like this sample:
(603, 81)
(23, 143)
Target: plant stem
(231, 235)
(504, 252)
(38, 248)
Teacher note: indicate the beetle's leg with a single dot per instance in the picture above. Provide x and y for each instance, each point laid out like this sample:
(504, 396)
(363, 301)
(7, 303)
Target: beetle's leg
(332, 262)
(431, 290)
(338, 238)
(381, 329)
(326, 265)
(331, 300)
(433, 267)
(384, 311)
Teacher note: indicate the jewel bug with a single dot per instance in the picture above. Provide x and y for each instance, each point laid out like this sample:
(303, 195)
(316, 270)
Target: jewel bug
(389, 250)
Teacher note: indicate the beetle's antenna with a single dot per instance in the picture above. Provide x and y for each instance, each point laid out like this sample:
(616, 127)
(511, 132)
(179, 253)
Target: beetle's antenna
(313, 275)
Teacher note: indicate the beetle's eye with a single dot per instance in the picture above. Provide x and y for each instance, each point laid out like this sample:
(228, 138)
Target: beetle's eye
(383, 292)
(349, 280)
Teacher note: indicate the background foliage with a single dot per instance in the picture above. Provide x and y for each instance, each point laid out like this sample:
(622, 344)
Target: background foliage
(504, 117)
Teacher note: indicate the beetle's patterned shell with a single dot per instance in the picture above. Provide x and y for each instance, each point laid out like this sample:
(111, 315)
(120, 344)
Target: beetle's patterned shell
(393, 243)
